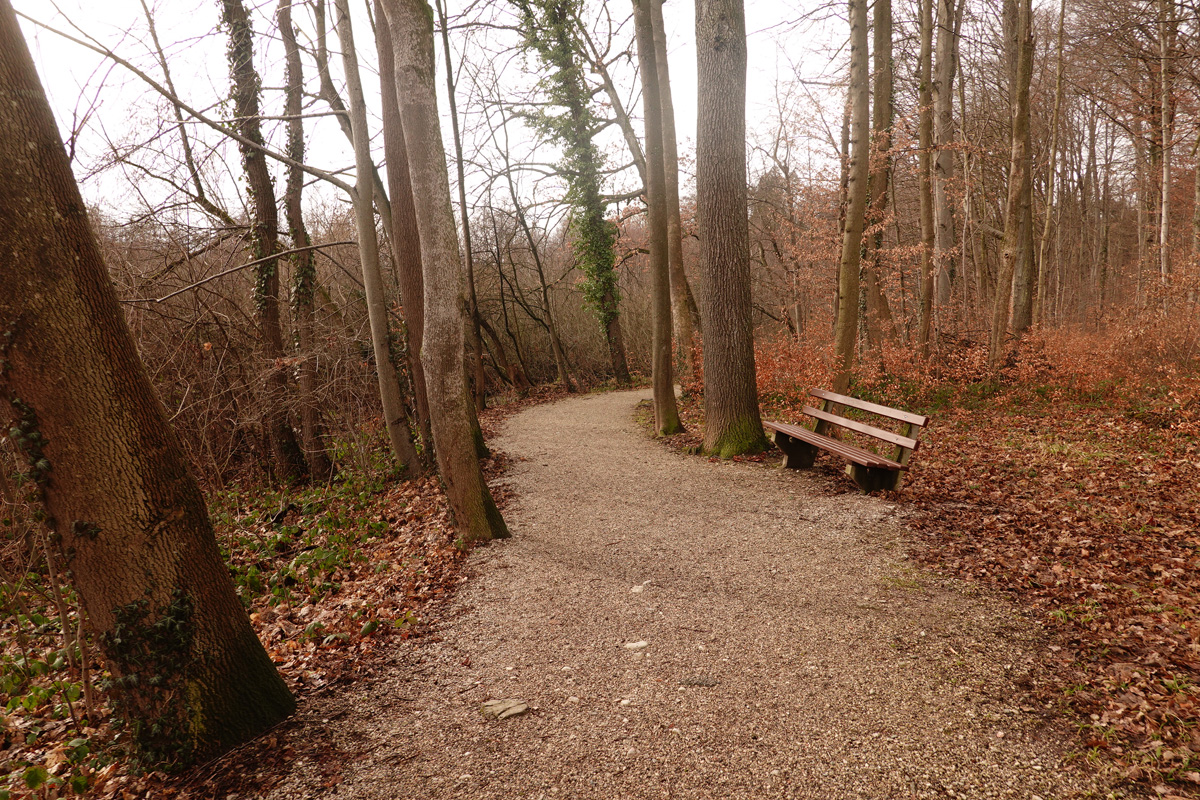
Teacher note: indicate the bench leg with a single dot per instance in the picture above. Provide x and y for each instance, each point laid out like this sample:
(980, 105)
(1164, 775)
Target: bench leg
(871, 479)
(796, 454)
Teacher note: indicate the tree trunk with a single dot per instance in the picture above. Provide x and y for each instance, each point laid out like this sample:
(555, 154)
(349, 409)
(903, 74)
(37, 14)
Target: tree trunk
(316, 455)
(1043, 272)
(189, 675)
(394, 416)
(406, 243)
(474, 340)
(732, 425)
(1017, 177)
(666, 412)
(879, 313)
(264, 234)
(1166, 35)
(684, 311)
(474, 511)
(925, 161)
(949, 19)
(1024, 276)
(846, 331)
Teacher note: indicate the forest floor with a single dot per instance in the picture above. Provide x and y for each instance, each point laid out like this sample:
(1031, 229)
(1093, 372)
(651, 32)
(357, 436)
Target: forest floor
(684, 628)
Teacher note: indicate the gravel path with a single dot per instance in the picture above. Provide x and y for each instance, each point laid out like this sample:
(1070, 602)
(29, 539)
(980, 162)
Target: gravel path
(687, 629)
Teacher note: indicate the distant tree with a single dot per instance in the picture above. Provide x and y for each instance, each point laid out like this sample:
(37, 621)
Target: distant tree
(264, 239)
(925, 169)
(732, 425)
(548, 28)
(451, 409)
(666, 410)
(188, 674)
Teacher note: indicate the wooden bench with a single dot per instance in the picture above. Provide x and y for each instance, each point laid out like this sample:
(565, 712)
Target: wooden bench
(869, 470)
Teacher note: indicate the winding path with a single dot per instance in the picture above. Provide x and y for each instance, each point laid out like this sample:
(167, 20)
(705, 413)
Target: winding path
(789, 649)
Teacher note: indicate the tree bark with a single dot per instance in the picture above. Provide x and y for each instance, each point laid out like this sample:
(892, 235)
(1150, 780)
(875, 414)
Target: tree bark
(732, 425)
(264, 235)
(879, 312)
(666, 412)
(130, 524)
(1024, 275)
(1017, 177)
(1166, 35)
(475, 513)
(1043, 271)
(474, 340)
(846, 331)
(684, 311)
(949, 19)
(402, 222)
(925, 165)
(312, 432)
(394, 416)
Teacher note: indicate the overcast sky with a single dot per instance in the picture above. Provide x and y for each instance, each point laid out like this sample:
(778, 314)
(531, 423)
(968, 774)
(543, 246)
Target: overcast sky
(75, 78)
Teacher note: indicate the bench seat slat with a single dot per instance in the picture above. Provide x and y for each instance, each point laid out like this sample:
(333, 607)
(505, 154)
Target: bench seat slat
(847, 451)
(874, 408)
(862, 427)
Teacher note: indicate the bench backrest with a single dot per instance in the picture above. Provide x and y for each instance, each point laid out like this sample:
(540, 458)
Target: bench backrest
(906, 441)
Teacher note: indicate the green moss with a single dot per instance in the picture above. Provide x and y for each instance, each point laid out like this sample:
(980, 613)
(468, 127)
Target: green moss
(744, 437)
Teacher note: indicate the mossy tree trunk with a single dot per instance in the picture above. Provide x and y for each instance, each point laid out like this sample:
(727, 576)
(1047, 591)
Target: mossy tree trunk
(304, 279)
(264, 239)
(475, 513)
(732, 425)
(549, 30)
(666, 410)
(130, 523)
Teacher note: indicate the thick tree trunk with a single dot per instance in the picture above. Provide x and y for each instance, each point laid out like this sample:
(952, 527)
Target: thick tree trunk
(130, 524)
(949, 19)
(474, 340)
(1017, 177)
(925, 161)
(395, 417)
(1024, 275)
(320, 466)
(402, 223)
(879, 313)
(666, 412)
(732, 425)
(264, 233)
(684, 311)
(846, 331)
(474, 510)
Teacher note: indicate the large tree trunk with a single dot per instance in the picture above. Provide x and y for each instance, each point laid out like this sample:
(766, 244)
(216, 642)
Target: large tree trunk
(129, 522)
(1024, 275)
(684, 311)
(732, 425)
(666, 412)
(264, 236)
(474, 340)
(474, 510)
(406, 243)
(395, 417)
(949, 18)
(846, 331)
(1017, 177)
(879, 313)
(925, 162)
(304, 279)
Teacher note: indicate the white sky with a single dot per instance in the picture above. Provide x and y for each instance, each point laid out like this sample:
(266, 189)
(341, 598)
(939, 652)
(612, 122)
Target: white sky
(129, 111)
